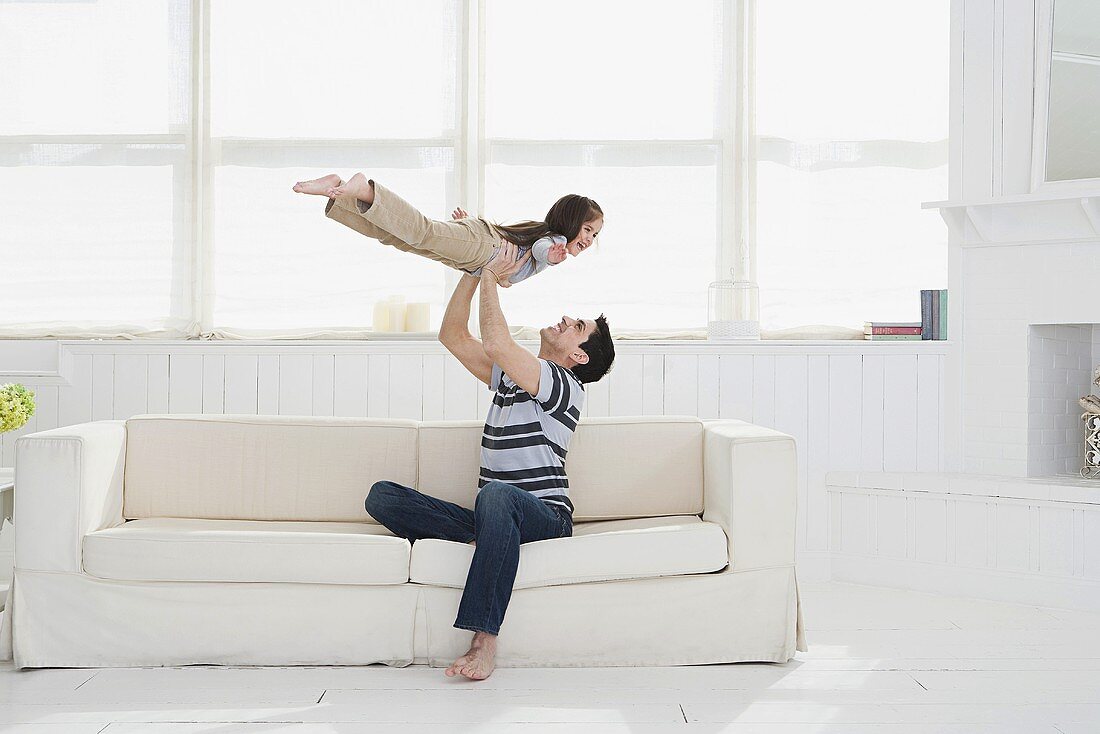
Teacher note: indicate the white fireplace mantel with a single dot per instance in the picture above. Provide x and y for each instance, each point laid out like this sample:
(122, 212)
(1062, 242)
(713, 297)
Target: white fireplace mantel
(1026, 219)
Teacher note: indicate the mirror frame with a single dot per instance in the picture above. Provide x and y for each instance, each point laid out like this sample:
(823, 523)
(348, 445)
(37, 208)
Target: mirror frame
(1044, 42)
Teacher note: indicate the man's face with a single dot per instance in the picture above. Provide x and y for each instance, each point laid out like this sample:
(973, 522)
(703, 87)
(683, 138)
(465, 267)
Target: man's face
(566, 336)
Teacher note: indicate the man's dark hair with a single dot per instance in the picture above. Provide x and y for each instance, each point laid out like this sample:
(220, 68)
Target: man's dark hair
(601, 353)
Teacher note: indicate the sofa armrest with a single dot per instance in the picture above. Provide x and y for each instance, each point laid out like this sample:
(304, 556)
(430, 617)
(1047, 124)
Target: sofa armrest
(750, 488)
(68, 482)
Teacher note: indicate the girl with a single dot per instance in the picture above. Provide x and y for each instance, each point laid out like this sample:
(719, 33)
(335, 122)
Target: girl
(570, 227)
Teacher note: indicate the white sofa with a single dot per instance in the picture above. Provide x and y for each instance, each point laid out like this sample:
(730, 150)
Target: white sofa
(243, 540)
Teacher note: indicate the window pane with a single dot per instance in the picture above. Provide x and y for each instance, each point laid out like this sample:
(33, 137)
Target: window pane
(115, 252)
(846, 245)
(66, 67)
(601, 70)
(654, 257)
(852, 137)
(281, 263)
(350, 69)
(881, 70)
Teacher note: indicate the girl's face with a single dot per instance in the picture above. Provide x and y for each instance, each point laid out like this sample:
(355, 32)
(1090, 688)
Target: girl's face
(585, 237)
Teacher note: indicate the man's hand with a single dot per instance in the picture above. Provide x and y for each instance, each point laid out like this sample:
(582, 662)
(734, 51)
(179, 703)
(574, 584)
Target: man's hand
(505, 264)
(459, 213)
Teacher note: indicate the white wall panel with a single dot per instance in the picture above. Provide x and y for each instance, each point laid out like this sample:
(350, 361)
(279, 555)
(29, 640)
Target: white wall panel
(131, 385)
(432, 387)
(103, 386)
(213, 383)
(378, 386)
(871, 418)
(708, 386)
(845, 412)
(626, 384)
(735, 388)
(899, 450)
(267, 384)
(157, 371)
(296, 384)
(1013, 537)
(890, 524)
(681, 373)
(349, 385)
(185, 383)
(405, 387)
(240, 383)
(324, 383)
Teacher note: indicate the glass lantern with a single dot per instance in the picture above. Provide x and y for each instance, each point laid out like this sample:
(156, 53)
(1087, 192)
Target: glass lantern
(734, 311)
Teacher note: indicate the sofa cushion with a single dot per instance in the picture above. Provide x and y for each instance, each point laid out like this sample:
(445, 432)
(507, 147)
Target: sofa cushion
(618, 467)
(184, 549)
(247, 467)
(598, 551)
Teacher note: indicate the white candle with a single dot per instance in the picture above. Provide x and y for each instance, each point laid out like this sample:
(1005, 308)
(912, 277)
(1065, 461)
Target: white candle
(381, 316)
(417, 317)
(397, 313)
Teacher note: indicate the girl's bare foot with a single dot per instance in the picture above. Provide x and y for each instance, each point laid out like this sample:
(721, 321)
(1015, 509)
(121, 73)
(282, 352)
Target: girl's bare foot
(479, 661)
(318, 185)
(357, 186)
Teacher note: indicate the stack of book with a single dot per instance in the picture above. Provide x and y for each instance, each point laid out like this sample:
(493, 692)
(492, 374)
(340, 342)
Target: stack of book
(933, 314)
(892, 331)
(933, 323)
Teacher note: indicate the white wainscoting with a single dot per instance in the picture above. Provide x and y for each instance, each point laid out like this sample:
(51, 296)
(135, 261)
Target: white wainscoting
(1027, 540)
(851, 406)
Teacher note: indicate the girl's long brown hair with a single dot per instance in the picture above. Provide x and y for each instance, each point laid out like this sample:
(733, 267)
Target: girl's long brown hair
(564, 218)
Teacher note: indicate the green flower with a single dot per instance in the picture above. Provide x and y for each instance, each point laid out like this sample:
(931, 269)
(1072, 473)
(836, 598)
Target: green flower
(16, 406)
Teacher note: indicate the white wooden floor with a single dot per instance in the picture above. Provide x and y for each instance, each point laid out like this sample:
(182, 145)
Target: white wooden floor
(880, 660)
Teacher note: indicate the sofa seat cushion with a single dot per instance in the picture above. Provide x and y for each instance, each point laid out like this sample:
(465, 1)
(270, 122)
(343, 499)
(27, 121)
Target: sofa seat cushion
(598, 551)
(182, 549)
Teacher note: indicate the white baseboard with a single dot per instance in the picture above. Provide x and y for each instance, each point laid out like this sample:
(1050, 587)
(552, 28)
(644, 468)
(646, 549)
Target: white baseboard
(983, 583)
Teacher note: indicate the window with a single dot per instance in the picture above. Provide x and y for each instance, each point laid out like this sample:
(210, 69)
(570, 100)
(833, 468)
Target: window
(148, 150)
(851, 137)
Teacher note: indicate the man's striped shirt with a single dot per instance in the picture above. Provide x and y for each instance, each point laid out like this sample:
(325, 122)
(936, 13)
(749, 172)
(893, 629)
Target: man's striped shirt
(526, 438)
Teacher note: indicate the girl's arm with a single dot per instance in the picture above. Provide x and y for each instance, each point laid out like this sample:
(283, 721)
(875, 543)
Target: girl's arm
(547, 251)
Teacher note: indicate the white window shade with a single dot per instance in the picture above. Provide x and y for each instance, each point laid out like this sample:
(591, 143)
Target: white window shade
(852, 137)
(301, 90)
(65, 68)
(95, 179)
(576, 69)
(353, 69)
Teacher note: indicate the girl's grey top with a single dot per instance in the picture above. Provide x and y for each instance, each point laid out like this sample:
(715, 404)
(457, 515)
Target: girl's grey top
(538, 262)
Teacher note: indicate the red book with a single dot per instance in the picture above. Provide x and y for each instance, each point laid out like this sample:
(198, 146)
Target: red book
(893, 330)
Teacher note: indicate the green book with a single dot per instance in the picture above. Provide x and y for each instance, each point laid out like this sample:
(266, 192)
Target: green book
(943, 314)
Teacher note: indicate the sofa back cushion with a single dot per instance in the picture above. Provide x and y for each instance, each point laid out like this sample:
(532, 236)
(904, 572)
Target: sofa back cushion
(618, 467)
(262, 467)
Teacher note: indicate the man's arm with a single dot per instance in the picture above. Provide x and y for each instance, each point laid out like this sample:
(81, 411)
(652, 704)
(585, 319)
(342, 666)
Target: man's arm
(516, 362)
(455, 335)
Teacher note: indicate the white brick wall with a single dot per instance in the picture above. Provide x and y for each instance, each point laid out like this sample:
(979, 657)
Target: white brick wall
(1008, 289)
(1060, 364)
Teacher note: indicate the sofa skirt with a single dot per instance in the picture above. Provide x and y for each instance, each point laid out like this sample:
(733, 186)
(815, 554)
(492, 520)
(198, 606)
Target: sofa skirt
(74, 620)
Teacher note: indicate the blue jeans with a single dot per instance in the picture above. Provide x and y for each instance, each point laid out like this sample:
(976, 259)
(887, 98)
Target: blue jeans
(503, 517)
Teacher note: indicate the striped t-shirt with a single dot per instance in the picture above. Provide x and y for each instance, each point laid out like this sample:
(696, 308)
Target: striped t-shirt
(526, 438)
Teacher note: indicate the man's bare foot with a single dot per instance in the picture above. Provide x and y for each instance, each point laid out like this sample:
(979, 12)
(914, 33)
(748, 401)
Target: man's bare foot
(357, 186)
(479, 661)
(318, 185)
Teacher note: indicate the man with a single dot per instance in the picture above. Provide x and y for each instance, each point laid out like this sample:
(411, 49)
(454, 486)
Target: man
(523, 492)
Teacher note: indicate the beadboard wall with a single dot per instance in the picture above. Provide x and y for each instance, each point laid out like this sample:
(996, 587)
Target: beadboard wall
(851, 406)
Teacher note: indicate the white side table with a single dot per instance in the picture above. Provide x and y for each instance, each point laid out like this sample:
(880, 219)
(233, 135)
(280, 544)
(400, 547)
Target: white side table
(7, 492)
(7, 503)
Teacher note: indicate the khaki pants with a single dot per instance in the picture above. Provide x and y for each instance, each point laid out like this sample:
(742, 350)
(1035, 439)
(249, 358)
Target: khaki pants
(466, 244)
